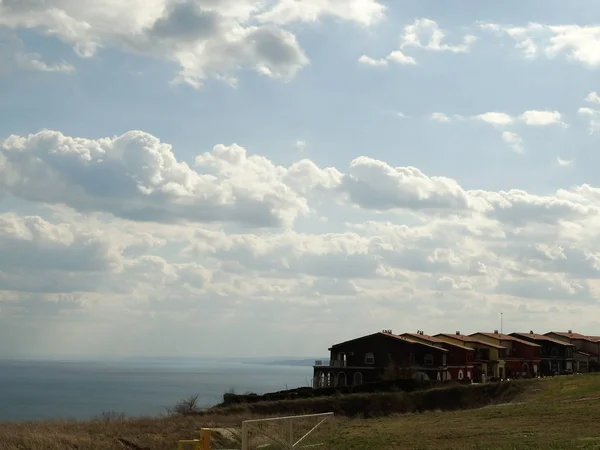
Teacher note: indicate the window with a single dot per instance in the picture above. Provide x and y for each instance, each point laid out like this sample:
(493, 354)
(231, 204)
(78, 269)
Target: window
(444, 359)
(554, 351)
(428, 359)
(369, 358)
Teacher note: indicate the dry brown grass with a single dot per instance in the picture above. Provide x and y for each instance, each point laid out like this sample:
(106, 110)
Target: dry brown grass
(550, 414)
(149, 433)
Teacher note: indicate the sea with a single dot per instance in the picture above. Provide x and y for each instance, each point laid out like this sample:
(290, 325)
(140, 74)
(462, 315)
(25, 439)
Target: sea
(78, 390)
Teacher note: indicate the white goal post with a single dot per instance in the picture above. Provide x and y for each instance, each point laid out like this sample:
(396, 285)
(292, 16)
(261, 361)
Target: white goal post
(291, 442)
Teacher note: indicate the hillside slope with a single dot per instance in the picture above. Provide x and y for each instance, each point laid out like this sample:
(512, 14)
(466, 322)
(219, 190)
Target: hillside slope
(556, 413)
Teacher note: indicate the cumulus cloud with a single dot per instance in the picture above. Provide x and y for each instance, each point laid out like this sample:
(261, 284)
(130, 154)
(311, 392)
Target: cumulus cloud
(575, 42)
(593, 97)
(147, 183)
(533, 118)
(363, 12)
(495, 118)
(426, 243)
(440, 117)
(593, 116)
(205, 38)
(423, 34)
(513, 140)
(373, 184)
(427, 34)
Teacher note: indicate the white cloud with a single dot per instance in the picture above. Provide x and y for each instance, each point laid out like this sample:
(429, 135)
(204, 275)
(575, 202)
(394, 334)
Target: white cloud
(499, 119)
(440, 117)
(149, 184)
(31, 61)
(205, 38)
(438, 247)
(541, 118)
(576, 42)
(399, 57)
(368, 61)
(396, 57)
(373, 184)
(592, 97)
(495, 118)
(427, 34)
(301, 146)
(594, 118)
(564, 162)
(424, 34)
(513, 140)
(363, 12)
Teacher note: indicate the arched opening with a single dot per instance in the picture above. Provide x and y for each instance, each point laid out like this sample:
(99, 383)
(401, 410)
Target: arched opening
(525, 369)
(341, 379)
(329, 380)
(461, 374)
(421, 376)
(358, 379)
(369, 358)
(319, 380)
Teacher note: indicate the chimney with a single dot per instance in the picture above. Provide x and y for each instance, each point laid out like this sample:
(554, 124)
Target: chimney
(530, 331)
(570, 331)
(495, 331)
(458, 333)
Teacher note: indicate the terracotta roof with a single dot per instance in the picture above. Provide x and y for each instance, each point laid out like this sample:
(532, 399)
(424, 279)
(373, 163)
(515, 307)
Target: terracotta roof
(573, 336)
(463, 338)
(594, 338)
(541, 337)
(405, 339)
(435, 340)
(507, 337)
(413, 341)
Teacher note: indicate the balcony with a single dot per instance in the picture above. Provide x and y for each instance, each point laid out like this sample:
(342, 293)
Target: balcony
(330, 363)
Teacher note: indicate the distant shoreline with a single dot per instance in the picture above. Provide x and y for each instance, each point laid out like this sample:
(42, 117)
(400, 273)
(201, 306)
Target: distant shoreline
(288, 362)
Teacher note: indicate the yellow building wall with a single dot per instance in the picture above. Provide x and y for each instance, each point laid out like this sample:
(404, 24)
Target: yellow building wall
(494, 352)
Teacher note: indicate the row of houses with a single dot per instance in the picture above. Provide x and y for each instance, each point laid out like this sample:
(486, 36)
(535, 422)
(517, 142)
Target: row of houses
(478, 357)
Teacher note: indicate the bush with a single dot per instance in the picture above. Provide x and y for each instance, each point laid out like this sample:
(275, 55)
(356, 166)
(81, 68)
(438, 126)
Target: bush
(186, 407)
(386, 403)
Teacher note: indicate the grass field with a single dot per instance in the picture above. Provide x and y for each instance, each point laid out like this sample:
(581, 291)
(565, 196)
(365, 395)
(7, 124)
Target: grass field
(553, 413)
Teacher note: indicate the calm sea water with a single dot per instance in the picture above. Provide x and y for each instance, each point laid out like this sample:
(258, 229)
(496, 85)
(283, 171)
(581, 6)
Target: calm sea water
(34, 390)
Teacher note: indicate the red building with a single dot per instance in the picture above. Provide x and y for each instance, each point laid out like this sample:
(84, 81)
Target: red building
(459, 359)
(380, 356)
(521, 358)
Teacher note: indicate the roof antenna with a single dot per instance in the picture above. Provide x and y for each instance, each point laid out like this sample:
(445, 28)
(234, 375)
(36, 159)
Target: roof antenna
(501, 320)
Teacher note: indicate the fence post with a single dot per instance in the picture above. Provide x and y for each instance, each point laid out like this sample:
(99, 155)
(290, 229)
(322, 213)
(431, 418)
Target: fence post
(245, 444)
(205, 438)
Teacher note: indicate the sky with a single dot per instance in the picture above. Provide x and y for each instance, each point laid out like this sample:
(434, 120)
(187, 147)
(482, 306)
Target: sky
(252, 178)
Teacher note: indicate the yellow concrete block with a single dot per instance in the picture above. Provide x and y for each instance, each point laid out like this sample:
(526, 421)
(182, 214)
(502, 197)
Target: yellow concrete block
(189, 444)
(205, 438)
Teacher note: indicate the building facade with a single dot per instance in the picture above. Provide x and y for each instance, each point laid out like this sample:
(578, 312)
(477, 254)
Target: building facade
(586, 358)
(488, 360)
(557, 356)
(459, 360)
(378, 357)
(522, 358)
